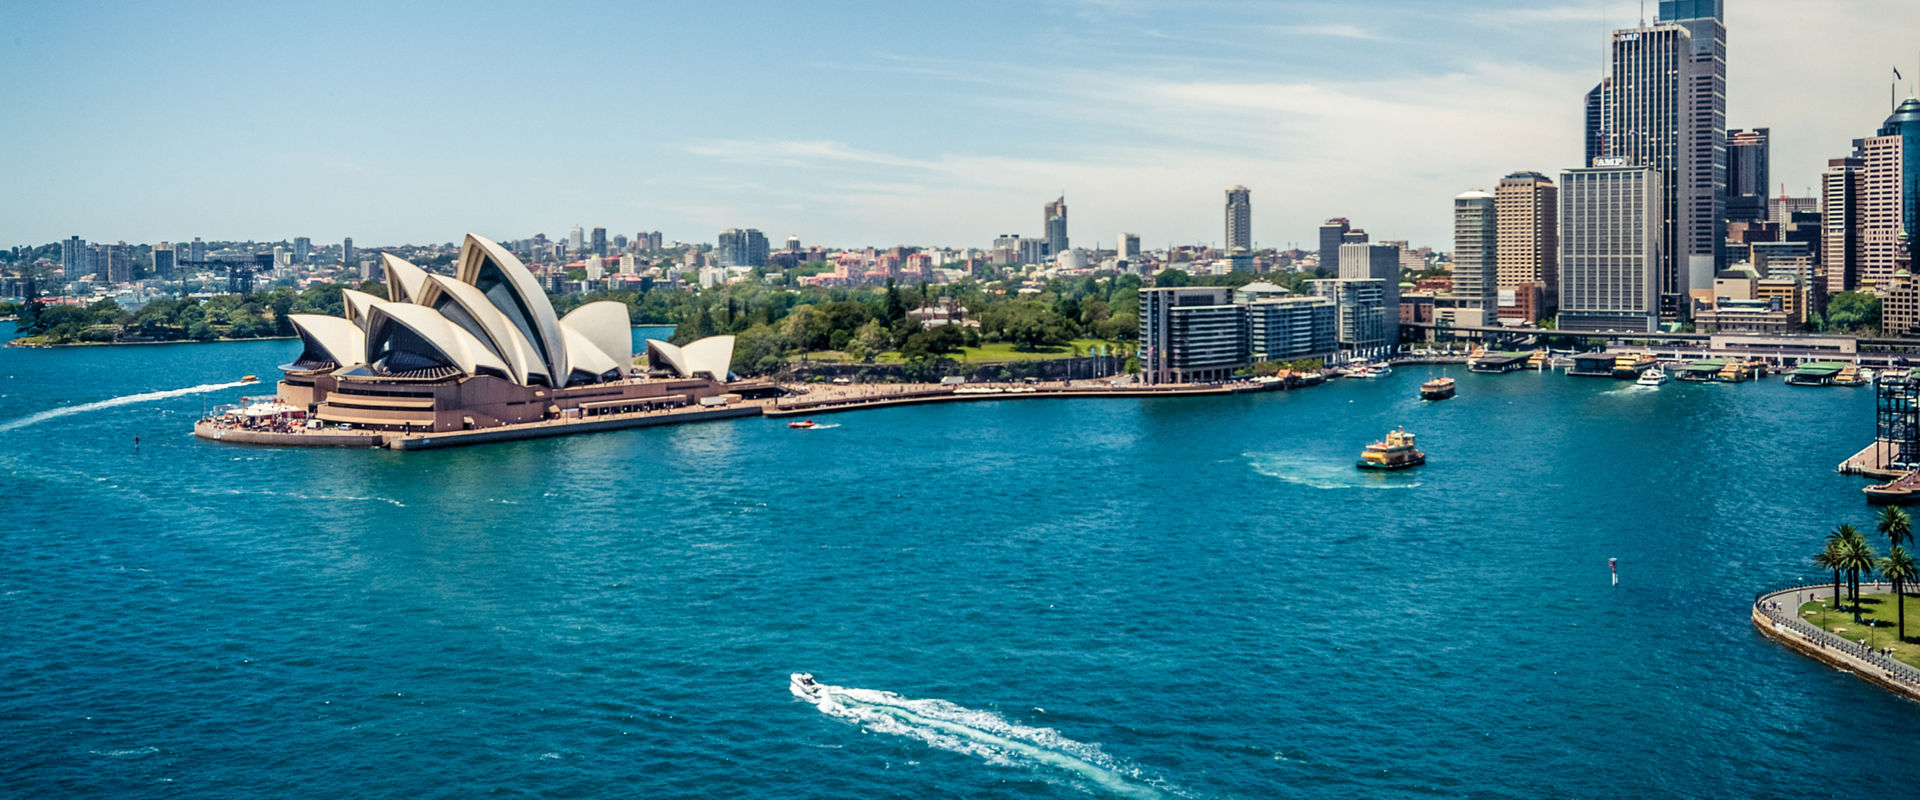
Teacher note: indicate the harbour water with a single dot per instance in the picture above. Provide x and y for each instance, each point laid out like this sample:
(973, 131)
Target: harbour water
(1129, 598)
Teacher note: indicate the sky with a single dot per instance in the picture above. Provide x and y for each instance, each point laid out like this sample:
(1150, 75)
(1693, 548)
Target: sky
(851, 124)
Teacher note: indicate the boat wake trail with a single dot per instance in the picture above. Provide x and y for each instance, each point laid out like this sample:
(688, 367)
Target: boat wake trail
(1323, 475)
(143, 397)
(982, 734)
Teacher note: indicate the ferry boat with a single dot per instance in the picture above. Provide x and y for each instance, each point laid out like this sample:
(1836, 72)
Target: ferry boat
(1437, 389)
(1372, 371)
(249, 379)
(1652, 377)
(1395, 452)
(1629, 365)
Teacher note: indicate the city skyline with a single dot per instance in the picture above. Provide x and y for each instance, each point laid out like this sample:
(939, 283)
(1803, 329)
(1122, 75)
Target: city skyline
(1382, 123)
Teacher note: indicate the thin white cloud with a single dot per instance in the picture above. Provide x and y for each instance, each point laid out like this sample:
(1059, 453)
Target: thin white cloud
(1332, 30)
(798, 153)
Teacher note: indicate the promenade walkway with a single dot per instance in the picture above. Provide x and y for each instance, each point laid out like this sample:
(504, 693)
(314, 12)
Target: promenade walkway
(1777, 615)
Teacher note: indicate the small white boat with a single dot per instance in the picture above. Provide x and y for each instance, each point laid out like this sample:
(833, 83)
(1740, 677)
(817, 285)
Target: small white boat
(806, 688)
(1866, 374)
(1373, 371)
(1654, 376)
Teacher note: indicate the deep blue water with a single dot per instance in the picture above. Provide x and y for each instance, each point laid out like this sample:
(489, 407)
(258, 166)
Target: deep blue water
(1197, 597)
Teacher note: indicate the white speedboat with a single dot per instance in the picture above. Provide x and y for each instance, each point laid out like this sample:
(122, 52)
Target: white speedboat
(1654, 376)
(806, 688)
(1376, 371)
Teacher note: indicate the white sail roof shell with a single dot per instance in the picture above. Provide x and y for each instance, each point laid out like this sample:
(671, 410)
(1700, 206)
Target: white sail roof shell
(357, 304)
(502, 338)
(712, 355)
(606, 324)
(404, 280)
(340, 340)
(461, 348)
(475, 253)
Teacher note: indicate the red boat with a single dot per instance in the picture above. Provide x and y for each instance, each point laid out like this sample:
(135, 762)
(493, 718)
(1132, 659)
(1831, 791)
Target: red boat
(805, 423)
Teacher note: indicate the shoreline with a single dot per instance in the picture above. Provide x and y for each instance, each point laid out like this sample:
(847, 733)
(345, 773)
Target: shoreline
(1781, 625)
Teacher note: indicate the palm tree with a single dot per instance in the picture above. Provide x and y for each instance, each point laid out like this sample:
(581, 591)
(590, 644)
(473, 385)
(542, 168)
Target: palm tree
(1858, 558)
(1896, 525)
(1829, 558)
(1898, 567)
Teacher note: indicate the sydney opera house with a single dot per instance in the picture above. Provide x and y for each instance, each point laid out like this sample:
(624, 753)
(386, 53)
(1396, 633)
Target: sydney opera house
(482, 349)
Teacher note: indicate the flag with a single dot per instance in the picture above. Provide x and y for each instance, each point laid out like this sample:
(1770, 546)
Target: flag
(1896, 73)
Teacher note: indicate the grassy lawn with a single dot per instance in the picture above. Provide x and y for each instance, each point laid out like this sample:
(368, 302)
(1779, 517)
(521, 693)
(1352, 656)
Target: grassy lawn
(1879, 612)
(990, 353)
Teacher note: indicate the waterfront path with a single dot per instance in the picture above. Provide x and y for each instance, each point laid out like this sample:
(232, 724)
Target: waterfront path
(1776, 615)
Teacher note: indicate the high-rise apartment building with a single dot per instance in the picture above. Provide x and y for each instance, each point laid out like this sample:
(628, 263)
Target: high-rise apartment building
(1056, 227)
(1199, 334)
(1611, 229)
(197, 250)
(116, 262)
(163, 257)
(1239, 218)
(1527, 205)
(1379, 262)
(1128, 247)
(1363, 323)
(302, 250)
(1747, 175)
(793, 244)
(1664, 106)
(1331, 233)
(347, 253)
(598, 243)
(74, 257)
(1476, 236)
(1355, 236)
(742, 248)
(576, 239)
(1190, 334)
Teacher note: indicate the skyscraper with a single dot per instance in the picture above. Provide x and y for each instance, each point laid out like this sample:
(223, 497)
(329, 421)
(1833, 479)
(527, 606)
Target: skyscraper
(1747, 175)
(1905, 123)
(575, 240)
(742, 248)
(1331, 233)
(1239, 218)
(197, 250)
(1611, 230)
(1129, 247)
(1056, 227)
(1527, 205)
(346, 250)
(1596, 141)
(1664, 106)
(1881, 216)
(302, 249)
(1840, 244)
(1476, 234)
(599, 241)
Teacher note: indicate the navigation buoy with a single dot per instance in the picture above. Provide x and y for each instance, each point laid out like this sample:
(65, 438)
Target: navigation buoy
(1613, 566)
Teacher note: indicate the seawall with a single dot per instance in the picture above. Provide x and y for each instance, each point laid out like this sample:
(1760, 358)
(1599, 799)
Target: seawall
(1783, 625)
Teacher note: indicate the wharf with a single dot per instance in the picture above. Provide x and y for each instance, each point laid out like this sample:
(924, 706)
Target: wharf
(1870, 462)
(1498, 362)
